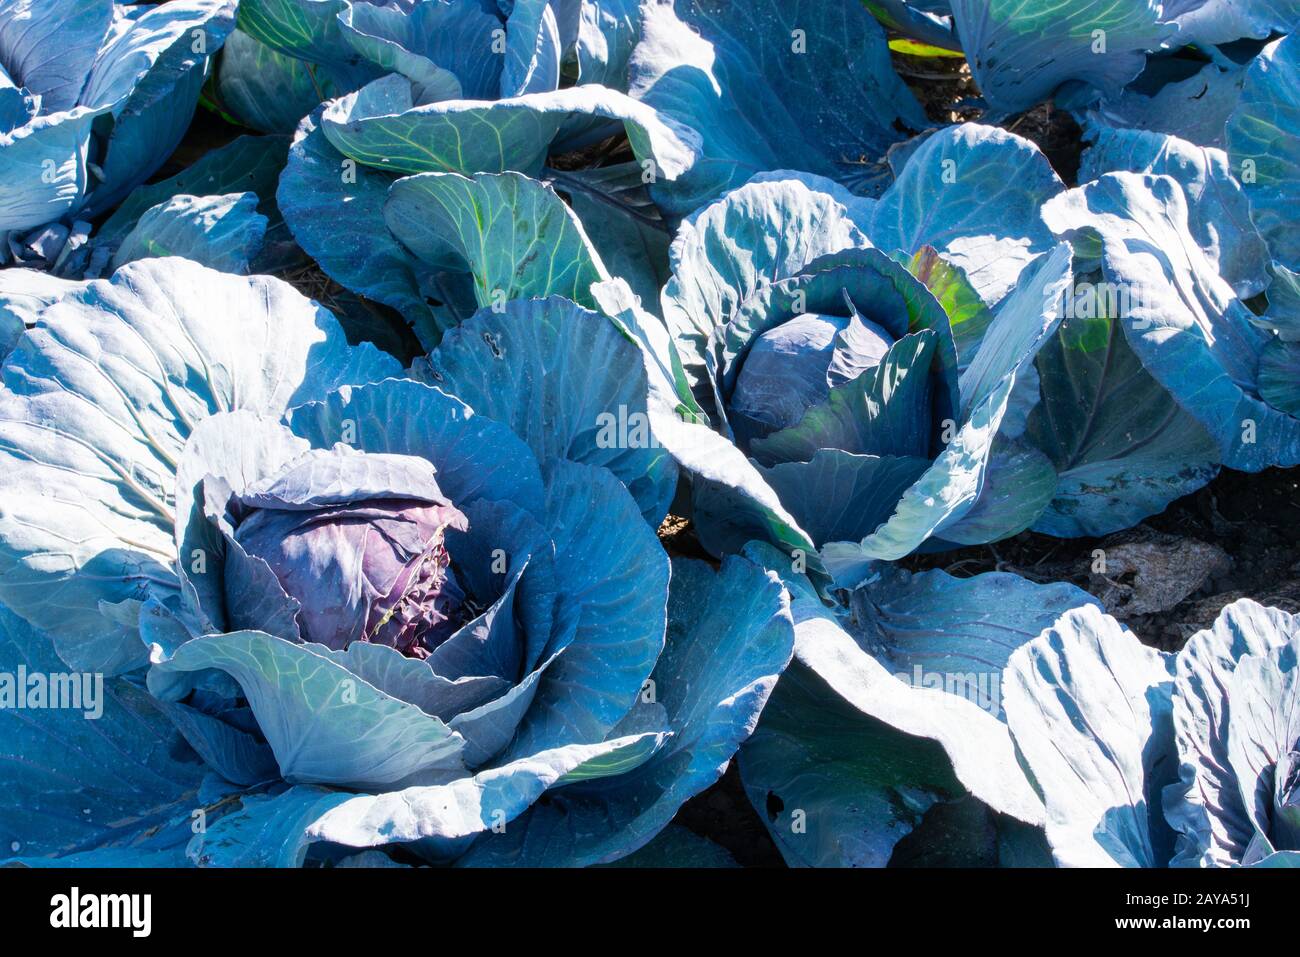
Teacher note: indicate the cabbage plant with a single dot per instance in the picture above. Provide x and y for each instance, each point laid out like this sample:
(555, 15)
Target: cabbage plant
(854, 361)
(338, 609)
(1017, 724)
(1114, 393)
(94, 97)
(1201, 771)
(890, 729)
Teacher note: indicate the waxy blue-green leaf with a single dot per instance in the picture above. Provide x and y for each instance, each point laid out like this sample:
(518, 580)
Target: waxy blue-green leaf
(1183, 320)
(1194, 108)
(247, 164)
(533, 53)
(476, 457)
(1221, 21)
(884, 411)
(622, 222)
(845, 795)
(25, 154)
(568, 382)
(224, 232)
(729, 637)
(1279, 376)
(514, 235)
(1264, 146)
(1283, 313)
(1218, 211)
(1122, 447)
(1089, 708)
(150, 73)
(269, 91)
(444, 49)
(1208, 807)
(49, 46)
(772, 85)
(614, 576)
(445, 815)
(905, 685)
(335, 209)
(1019, 483)
(1022, 51)
(973, 193)
(305, 29)
(380, 125)
(325, 723)
(836, 495)
(265, 830)
(104, 771)
(24, 293)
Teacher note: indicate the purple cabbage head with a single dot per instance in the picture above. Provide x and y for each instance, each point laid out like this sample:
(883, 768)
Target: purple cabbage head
(358, 542)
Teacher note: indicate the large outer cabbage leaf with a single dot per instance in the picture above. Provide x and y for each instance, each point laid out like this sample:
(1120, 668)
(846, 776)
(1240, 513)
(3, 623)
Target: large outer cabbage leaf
(622, 222)
(335, 209)
(904, 685)
(1023, 51)
(247, 164)
(568, 382)
(324, 722)
(771, 86)
(729, 636)
(1264, 145)
(381, 125)
(306, 29)
(24, 293)
(1089, 708)
(223, 232)
(1183, 320)
(443, 49)
(68, 798)
(1217, 207)
(150, 72)
(90, 85)
(512, 234)
(1221, 21)
(1193, 108)
(1219, 707)
(1115, 467)
(48, 46)
(25, 152)
(975, 194)
(267, 90)
(444, 816)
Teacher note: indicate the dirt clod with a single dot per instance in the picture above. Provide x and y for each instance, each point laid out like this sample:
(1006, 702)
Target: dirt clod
(1153, 573)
